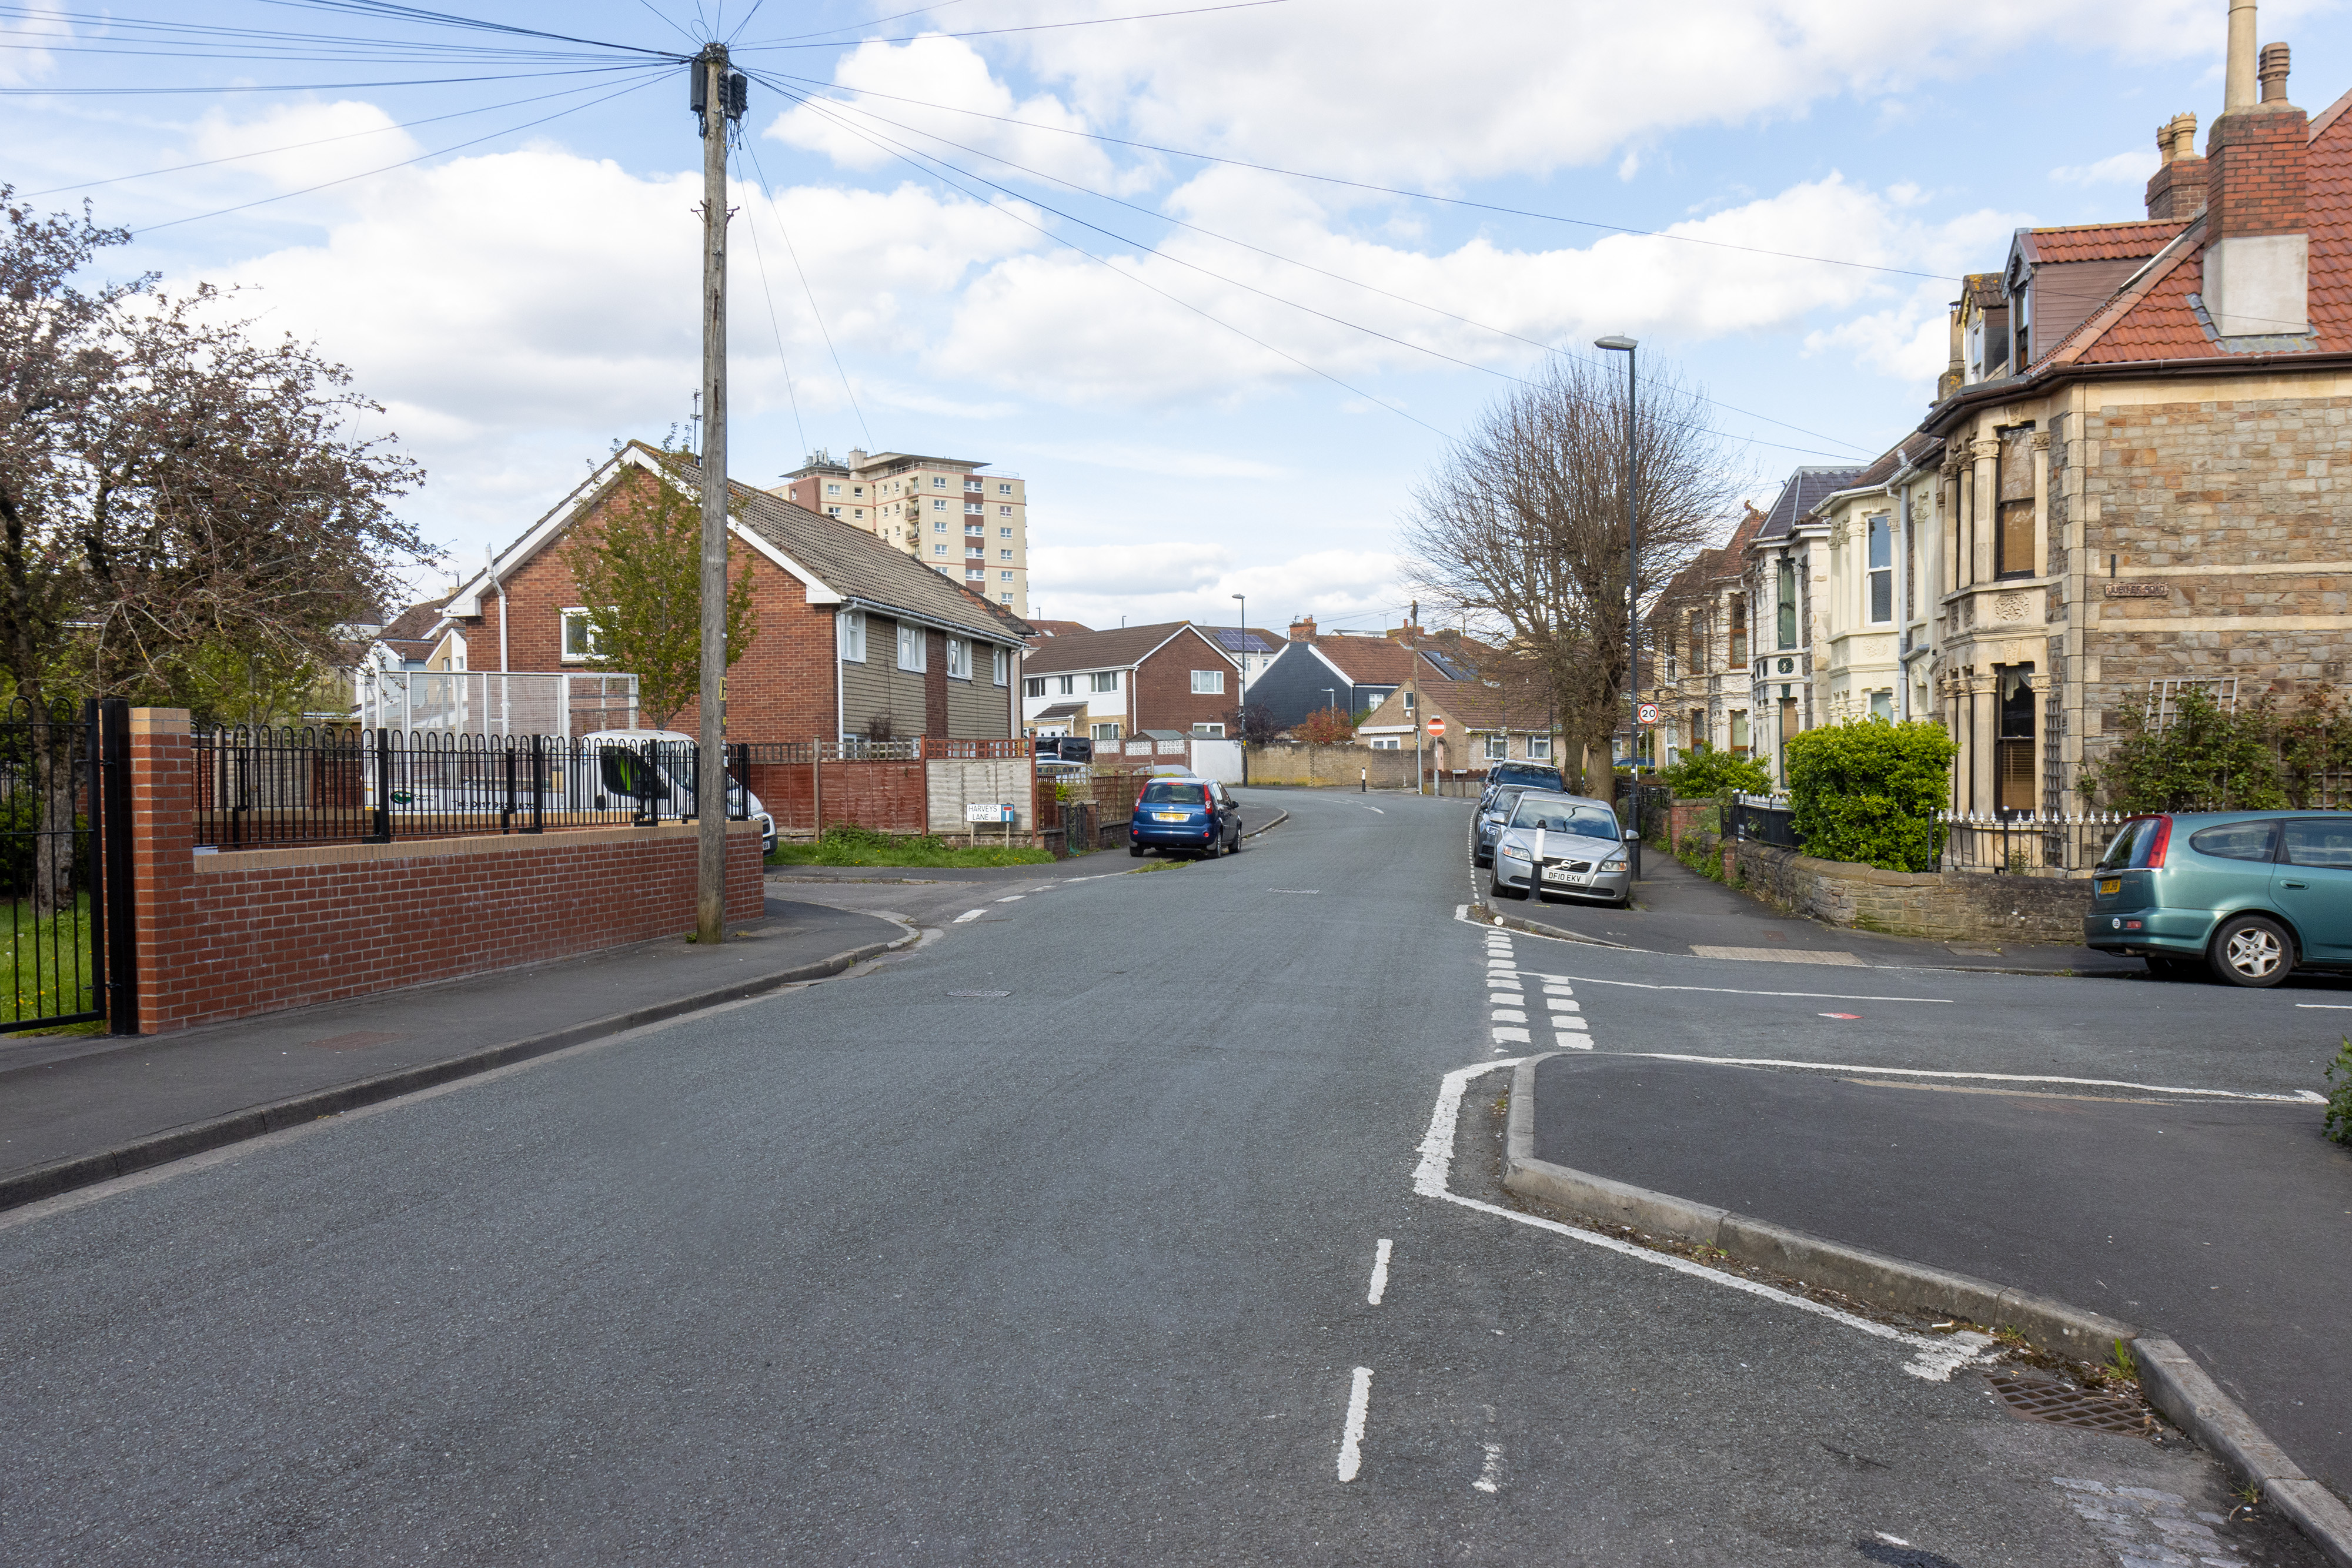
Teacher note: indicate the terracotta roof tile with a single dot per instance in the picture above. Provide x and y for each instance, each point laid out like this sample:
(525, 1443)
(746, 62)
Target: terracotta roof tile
(2133, 241)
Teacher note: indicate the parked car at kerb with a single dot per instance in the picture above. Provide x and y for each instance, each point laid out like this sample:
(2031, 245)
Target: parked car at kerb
(1527, 775)
(2250, 897)
(1565, 844)
(1494, 810)
(1196, 815)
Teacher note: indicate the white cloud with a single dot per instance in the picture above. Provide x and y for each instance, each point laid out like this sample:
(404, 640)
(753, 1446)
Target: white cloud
(1061, 327)
(1411, 91)
(1170, 462)
(2122, 168)
(290, 146)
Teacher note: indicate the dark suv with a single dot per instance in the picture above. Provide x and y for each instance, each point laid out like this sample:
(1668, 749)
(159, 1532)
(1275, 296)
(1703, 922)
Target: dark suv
(1530, 775)
(2251, 895)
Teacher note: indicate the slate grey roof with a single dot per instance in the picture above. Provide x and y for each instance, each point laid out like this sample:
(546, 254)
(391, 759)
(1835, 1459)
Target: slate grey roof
(1803, 491)
(1919, 448)
(856, 565)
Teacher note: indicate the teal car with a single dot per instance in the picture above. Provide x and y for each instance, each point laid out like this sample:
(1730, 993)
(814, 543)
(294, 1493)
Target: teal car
(2251, 895)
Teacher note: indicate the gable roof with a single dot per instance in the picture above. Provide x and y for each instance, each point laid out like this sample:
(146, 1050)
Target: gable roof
(838, 562)
(1800, 496)
(1238, 640)
(2133, 241)
(1121, 648)
(1915, 451)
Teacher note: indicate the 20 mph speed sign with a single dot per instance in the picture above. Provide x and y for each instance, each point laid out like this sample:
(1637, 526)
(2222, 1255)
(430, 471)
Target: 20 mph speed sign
(1647, 713)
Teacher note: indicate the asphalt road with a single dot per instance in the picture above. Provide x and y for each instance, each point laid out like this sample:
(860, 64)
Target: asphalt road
(1085, 1272)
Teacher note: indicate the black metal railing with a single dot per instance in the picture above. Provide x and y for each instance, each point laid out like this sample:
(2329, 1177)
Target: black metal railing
(2027, 843)
(260, 788)
(54, 953)
(1765, 820)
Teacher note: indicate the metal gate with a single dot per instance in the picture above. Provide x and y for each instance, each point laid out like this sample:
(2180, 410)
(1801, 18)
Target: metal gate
(64, 843)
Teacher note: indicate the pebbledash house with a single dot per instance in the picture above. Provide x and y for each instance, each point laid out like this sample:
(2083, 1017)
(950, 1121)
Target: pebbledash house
(2146, 432)
(853, 640)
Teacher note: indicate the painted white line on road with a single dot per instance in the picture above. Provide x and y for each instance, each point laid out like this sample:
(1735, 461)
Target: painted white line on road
(1490, 1474)
(1940, 1355)
(1736, 992)
(1376, 812)
(1776, 956)
(1508, 1015)
(1351, 1436)
(2299, 1097)
(1380, 1273)
(1560, 1004)
(2328, 1006)
(1012, 898)
(1575, 1042)
(970, 914)
(1510, 1036)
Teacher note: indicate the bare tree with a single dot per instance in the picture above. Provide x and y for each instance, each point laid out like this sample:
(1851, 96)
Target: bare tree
(1521, 529)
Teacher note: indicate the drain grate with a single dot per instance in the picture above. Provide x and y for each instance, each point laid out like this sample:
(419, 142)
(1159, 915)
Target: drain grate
(2041, 1398)
(979, 993)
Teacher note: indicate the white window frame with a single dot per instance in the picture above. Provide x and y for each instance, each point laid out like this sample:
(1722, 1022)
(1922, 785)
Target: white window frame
(1106, 731)
(1105, 681)
(959, 658)
(999, 665)
(1539, 748)
(1208, 732)
(940, 549)
(1385, 743)
(1005, 577)
(914, 648)
(566, 619)
(833, 489)
(852, 624)
(1208, 682)
(1498, 748)
(938, 482)
(1066, 685)
(1034, 687)
(1878, 529)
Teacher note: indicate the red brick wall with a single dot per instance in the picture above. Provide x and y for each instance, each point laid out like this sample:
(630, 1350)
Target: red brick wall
(2254, 173)
(1164, 699)
(244, 932)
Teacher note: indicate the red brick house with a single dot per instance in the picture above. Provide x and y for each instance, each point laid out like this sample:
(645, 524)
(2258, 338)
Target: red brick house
(1114, 685)
(852, 637)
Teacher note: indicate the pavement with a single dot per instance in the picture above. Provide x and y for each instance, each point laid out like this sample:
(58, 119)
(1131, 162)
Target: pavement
(1142, 1219)
(1676, 910)
(64, 1096)
(2171, 1213)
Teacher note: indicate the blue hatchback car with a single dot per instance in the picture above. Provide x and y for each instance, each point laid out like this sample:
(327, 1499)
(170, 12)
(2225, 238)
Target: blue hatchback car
(1194, 815)
(2250, 896)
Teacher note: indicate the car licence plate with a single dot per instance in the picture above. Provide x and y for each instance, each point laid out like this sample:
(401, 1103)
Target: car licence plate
(1168, 816)
(1556, 873)
(2111, 884)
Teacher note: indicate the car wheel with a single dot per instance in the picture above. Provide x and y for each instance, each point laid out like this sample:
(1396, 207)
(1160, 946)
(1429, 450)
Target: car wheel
(2252, 951)
(1214, 848)
(1494, 885)
(1483, 860)
(1135, 849)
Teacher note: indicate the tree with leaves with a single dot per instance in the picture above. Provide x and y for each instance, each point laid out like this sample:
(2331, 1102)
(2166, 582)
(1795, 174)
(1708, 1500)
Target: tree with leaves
(1326, 727)
(185, 513)
(1251, 724)
(639, 569)
(1521, 529)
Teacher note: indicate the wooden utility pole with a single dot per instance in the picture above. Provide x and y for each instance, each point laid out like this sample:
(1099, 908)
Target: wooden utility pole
(719, 94)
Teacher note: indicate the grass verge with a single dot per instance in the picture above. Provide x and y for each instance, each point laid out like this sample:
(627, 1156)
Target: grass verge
(45, 965)
(858, 846)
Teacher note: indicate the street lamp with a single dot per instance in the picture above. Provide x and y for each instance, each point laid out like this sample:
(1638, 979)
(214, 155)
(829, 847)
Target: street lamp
(1627, 345)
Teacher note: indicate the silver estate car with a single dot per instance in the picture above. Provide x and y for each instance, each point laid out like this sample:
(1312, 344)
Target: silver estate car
(1493, 812)
(1566, 845)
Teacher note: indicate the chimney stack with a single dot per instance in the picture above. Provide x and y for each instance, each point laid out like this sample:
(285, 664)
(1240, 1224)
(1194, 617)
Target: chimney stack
(2257, 260)
(1303, 629)
(2177, 189)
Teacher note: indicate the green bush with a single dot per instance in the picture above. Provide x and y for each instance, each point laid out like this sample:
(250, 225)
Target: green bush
(1705, 771)
(1866, 792)
(2205, 759)
(2337, 1124)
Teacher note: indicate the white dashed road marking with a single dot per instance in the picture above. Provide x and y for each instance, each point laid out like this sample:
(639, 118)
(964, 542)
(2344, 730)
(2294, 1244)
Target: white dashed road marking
(971, 914)
(1490, 1474)
(1380, 1286)
(1351, 1436)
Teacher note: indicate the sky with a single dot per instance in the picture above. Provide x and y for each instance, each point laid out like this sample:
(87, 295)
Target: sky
(1219, 282)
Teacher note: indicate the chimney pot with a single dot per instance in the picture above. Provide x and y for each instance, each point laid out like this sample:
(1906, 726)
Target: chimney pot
(2271, 70)
(2238, 76)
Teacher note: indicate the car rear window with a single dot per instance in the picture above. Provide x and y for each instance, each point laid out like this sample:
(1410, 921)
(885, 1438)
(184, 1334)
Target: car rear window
(1590, 821)
(1173, 794)
(2131, 846)
(2320, 842)
(2236, 840)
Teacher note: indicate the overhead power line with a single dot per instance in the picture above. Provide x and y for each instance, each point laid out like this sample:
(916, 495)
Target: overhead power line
(309, 86)
(1324, 272)
(901, 151)
(794, 251)
(438, 152)
(1030, 27)
(813, 83)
